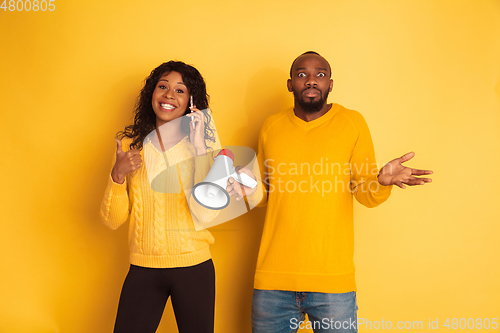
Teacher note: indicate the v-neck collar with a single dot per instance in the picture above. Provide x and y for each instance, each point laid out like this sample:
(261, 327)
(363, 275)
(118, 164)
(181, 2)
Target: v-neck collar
(307, 125)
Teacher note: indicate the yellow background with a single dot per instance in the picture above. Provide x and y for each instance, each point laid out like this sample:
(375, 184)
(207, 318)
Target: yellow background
(424, 73)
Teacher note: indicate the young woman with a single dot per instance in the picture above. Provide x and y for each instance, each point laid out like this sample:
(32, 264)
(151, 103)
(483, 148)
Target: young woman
(168, 257)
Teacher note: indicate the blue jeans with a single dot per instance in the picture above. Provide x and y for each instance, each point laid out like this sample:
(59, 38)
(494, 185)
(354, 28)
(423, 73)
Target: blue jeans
(277, 311)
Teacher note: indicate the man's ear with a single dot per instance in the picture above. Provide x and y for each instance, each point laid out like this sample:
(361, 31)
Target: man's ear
(331, 85)
(289, 85)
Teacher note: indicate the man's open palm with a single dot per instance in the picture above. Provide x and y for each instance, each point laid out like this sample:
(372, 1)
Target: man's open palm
(395, 173)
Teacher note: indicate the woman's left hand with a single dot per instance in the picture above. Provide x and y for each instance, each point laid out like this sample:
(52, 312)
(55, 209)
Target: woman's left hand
(197, 130)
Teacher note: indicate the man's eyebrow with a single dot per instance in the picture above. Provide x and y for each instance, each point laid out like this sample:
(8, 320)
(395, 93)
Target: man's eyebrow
(167, 81)
(303, 68)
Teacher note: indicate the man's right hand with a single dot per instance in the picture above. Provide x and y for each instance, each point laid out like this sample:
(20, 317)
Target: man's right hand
(126, 162)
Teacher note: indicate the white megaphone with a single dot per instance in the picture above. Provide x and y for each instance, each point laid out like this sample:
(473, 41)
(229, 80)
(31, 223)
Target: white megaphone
(211, 193)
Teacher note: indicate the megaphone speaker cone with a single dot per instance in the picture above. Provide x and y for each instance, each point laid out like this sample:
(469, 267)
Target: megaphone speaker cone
(210, 195)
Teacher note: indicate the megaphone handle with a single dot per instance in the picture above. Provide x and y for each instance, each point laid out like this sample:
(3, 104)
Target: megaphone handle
(244, 179)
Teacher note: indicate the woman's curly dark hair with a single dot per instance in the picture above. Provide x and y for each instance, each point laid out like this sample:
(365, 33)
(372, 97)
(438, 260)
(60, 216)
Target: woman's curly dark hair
(144, 116)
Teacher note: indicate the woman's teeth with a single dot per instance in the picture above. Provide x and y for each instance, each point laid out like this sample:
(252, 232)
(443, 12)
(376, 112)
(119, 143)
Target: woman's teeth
(167, 106)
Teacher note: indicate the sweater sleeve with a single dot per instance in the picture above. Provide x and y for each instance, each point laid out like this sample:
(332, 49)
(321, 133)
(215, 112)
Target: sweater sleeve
(259, 197)
(115, 204)
(364, 171)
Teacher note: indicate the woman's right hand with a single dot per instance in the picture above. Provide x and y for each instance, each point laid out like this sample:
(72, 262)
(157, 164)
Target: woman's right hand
(126, 162)
(240, 190)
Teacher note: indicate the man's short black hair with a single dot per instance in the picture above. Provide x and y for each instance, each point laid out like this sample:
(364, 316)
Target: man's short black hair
(310, 52)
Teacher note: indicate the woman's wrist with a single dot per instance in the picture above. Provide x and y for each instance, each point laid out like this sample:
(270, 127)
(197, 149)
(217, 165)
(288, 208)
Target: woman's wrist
(119, 179)
(200, 151)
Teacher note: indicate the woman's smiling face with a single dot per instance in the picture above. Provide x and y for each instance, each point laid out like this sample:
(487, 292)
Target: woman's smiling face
(170, 98)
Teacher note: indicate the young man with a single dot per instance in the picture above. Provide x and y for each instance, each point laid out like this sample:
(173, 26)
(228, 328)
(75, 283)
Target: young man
(314, 158)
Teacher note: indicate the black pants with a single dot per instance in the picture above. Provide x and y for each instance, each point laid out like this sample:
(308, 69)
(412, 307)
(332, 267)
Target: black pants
(146, 290)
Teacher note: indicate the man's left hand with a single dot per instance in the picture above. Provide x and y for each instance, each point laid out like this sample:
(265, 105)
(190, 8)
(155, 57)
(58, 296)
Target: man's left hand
(394, 173)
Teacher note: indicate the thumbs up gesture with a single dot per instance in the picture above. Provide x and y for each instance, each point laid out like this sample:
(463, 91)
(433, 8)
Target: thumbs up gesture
(126, 162)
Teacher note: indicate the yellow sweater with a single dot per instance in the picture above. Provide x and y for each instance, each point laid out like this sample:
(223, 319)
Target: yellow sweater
(313, 170)
(161, 230)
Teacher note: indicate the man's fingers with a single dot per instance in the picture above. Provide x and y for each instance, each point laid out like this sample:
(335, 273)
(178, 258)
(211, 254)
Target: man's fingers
(406, 157)
(418, 172)
(412, 181)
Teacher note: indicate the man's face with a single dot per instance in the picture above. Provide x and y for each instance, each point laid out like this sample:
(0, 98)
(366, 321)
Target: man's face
(310, 82)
